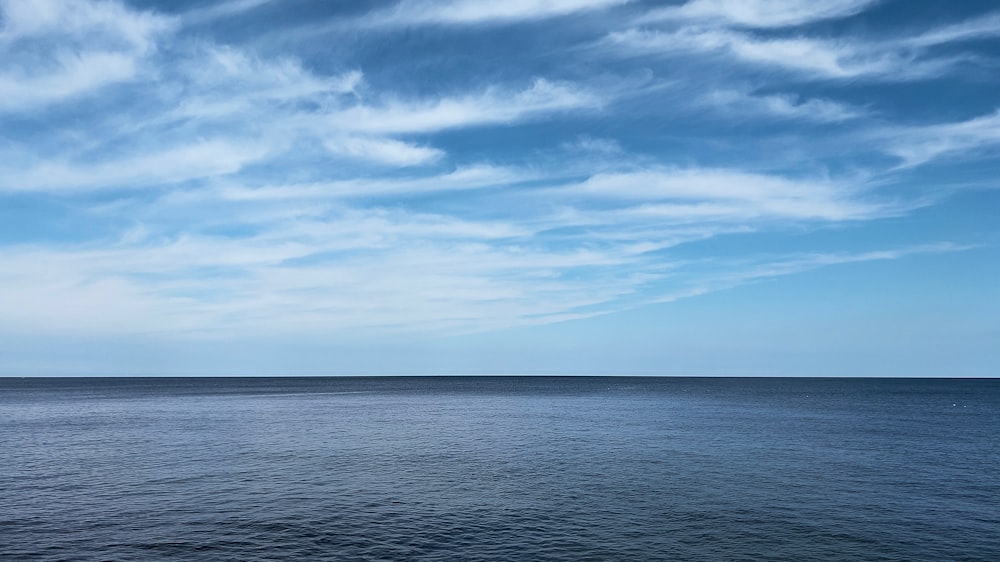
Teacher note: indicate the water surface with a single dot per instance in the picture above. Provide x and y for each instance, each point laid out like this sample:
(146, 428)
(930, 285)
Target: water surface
(499, 468)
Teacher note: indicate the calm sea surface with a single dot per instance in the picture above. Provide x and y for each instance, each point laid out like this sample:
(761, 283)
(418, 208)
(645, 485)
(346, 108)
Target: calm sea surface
(499, 468)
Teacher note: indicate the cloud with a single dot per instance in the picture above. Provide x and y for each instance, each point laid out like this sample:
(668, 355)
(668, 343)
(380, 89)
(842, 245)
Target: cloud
(491, 106)
(820, 58)
(722, 195)
(734, 274)
(759, 13)
(76, 21)
(825, 58)
(982, 27)
(467, 12)
(58, 50)
(919, 145)
(201, 159)
(221, 10)
(228, 73)
(209, 91)
(464, 178)
(417, 272)
(217, 186)
(355, 271)
(759, 33)
(799, 263)
(387, 151)
(218, 86)
(70, 74)
(781, 106)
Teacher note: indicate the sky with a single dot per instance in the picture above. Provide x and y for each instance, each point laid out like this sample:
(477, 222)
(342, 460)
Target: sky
(302, 187)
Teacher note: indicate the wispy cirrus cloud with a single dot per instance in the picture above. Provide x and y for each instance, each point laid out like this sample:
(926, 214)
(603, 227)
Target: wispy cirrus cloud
(739, 103)
(218, 184)
(704, 195)
(384, 150)
(764, 34)
(386, 273)
(819, 58)
(464, 178)
(491, 106)
(68, 75)
(466, 12)
(219, 10)
(982, 27)
(416, 272)
(761, 268)
(918, 145)
(216, 88)
(758, 13)
(56, 50)
(222, 81)
(170, 165)
(108, 24)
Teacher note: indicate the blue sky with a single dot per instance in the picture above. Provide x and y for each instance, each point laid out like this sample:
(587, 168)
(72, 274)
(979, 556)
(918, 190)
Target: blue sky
(709, 187)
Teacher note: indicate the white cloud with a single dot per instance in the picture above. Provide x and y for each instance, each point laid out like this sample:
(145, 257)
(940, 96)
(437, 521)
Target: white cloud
(70, 75)
(266, 168)
(489, 107)
(228, 71)
(384, 150)
(692, 184)
(922, 144)
(339, 269)
(721, 197)
(827, 58)
(417, 272)
(205, 158)
(791, 208)
(726, 27)
(730, 275)
(221, 10)
(978, 28)
(789, 265)
(219, 85)
(786, 106)
(759, 13)
(57, 50)
(71, 21)
(209, 110)
(683, 195)
(816, 57)
(478, 176)
(333, 269)
(458, 12)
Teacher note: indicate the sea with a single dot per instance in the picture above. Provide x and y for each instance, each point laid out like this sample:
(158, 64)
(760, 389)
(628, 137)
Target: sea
(499, 468)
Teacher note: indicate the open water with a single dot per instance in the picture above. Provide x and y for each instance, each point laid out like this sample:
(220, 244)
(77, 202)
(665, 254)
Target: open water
(499, 468)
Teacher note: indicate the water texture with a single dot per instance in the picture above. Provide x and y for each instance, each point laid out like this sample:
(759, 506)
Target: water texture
(499, 468)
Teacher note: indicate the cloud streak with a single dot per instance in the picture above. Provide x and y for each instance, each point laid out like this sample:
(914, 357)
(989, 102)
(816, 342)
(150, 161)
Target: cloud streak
(488, 107)
(919, 145)
(764, 34)
(472, 12)
(780, 106)
(182, 176)
(758, 13)
(816, 58)
(57, 51)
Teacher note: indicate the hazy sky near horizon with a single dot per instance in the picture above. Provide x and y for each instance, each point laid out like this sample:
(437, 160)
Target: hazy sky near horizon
(701, 187)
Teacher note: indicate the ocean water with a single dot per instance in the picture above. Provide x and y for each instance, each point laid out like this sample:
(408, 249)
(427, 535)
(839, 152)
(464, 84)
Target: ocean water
(499, 468)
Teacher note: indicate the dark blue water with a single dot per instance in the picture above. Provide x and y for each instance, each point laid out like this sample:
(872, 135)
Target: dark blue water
(499, 469)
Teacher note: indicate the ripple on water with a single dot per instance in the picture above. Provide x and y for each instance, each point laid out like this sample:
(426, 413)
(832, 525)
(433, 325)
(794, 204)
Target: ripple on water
(489, 469)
